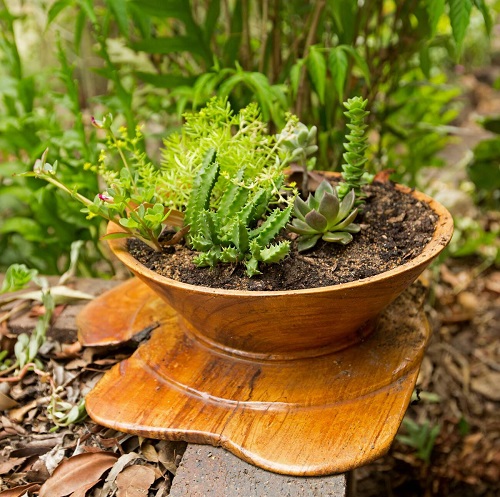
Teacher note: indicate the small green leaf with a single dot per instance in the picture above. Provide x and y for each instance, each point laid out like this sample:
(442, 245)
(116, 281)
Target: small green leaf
(360, 62)
(252, 267)
(316, 67)
(275, 253)
(316, 221)
(114, 236)
(56, 8)
(119, 9)
(295, 76)
(329, 206)
(17, 277)
(28, 228)
(338, 237)
(307, 242)
(169, 45)
(435, 9)
(338, 63)
(460, 11)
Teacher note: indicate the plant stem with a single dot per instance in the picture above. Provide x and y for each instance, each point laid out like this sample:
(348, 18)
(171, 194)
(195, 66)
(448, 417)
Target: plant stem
(264, 34)
(301, 92)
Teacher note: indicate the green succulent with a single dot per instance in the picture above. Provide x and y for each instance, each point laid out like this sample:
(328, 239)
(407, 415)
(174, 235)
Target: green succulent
(324, 216)
(230, 233)
(353, 169)
(300, 142)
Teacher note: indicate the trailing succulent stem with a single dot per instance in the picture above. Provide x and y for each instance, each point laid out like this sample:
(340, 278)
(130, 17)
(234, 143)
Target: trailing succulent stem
(230, 233)
(324, 216)
(353, 168)
(130, 200)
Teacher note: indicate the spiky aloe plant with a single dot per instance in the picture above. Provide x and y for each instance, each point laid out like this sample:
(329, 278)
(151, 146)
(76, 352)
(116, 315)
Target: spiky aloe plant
(230, 232)
(353, 168)
(324, 216)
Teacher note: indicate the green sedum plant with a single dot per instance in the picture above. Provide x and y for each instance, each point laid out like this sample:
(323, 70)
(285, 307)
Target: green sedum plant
(353, 169)
(230, 233)
(324, 216)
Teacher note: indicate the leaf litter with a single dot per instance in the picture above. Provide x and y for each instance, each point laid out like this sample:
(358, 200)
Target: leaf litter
(43, 452)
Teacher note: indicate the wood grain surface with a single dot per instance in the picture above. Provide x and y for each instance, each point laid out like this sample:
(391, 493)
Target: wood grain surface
(303, 416)
(301, 382)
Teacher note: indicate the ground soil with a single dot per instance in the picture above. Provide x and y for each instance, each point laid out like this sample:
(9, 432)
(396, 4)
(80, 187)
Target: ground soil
(395, 227)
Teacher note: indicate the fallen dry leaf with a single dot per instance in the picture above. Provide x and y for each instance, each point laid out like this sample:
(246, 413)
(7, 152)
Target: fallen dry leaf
(117, 468)
(20, 491)
(135, 481)
(19, 413)
(383, 176)
(10, 464)
(149, 452)
(169, 454)
(76, 472)
(69, 350)
(6, 402)
(82, 491)
(487, 385)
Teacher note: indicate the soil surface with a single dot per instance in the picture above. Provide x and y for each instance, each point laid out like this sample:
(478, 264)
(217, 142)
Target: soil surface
(395, 227)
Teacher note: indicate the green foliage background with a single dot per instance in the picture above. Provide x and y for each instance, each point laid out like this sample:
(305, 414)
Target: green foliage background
(148, 61)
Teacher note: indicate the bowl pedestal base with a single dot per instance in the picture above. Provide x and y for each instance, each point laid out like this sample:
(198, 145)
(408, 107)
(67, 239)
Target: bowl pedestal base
(306, 416)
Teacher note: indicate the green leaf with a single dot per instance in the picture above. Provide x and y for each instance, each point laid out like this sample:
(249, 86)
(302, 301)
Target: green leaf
(252, 267)
(88, 7)
(425, 61)
(316, 67)
(275, 253)
(460, 11)
(233, 42)
(17, 277)
(337, 61)
(316, 221)
(295, 76)
(178, 9)
(360, 62)
(119, 9)
(80, 24)
(26, 227)
(307, 242)
(435, 9)
(169, 81)
(212, 15)
(338, 237)
(169, 45)
(485, 10)
(129, 223)
(56, 8)
(344, 14)
(113, 236)
(491, 123)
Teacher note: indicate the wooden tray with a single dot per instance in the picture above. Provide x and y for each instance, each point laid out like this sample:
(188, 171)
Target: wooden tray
(307, 416)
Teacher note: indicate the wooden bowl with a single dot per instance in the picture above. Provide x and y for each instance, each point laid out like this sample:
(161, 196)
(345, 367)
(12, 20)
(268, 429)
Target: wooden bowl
(293, 323)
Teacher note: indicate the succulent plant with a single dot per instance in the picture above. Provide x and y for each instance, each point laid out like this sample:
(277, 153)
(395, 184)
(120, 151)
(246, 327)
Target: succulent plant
(300, 142)
(229, 233)
(353, 169)
(324, 216)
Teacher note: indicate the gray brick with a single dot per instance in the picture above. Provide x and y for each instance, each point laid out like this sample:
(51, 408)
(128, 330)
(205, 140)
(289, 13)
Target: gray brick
(207, 471)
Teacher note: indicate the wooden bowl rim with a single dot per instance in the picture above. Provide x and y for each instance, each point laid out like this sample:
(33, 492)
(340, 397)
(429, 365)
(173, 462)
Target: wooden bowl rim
(440, 239)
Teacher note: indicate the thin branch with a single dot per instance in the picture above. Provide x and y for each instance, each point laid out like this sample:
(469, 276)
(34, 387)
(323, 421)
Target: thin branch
(264, 33)
(301, 93)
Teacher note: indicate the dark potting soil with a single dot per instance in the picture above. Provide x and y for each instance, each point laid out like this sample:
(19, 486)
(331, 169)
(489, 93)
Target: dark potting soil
(395, 227)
